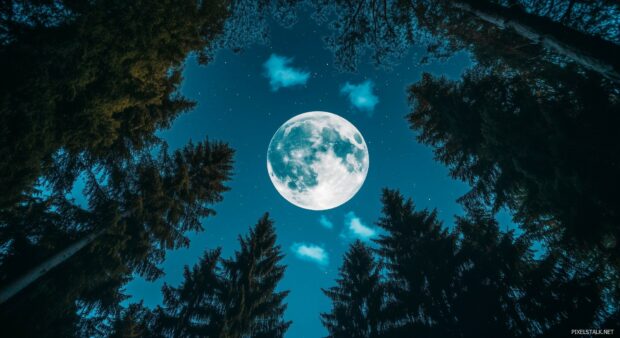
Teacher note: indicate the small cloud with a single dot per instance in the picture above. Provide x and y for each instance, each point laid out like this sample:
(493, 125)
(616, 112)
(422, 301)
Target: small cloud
(361, 95)
(355, 228)
(281, 75)
(325, 222)
(311, 253)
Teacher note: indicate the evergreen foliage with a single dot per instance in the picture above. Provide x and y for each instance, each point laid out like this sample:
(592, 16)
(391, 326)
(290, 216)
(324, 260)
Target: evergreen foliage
(522, 33)
(358, 298)
(135, 321)
(472, 281)
(531, 127)
(85, 87)
(230, 298)
(138, 211)
(544, 146)
(89, 82)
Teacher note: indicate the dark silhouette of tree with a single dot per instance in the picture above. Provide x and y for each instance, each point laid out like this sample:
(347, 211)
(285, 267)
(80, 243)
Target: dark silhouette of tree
(358, 297)
(90, 82)
(135, 321)
(84, 256)
(382, 29)
(230, 298)
(71, 299)
(543, 146)
(473, 280)
(248, 22)
(583, 32)
(418, 253)
(584, 48)
(563, 293)
(196, 308)
(256, 309)
(490, 268)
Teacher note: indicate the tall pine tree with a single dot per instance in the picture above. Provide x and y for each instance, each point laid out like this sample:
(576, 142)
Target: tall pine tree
(230, 298)
(253, 274)
(473, 280)
(523, 142)
(196, 308)
(418, 254)
(489, 275)
(90, 82)
(358, 298)
(66, 258)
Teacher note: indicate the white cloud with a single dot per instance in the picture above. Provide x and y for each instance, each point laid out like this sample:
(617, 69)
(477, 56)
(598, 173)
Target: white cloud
(311, 252)
(355, 228)
(361, 95)
(325, 222)
(282, 75)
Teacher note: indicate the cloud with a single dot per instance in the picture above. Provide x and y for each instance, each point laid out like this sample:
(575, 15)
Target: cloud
(281, 75)
(325, 222)
(361, 95)
(355, 228)
(311, 253)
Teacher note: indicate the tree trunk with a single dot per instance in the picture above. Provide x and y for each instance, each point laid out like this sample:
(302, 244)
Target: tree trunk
(29, 277)
(591, 52)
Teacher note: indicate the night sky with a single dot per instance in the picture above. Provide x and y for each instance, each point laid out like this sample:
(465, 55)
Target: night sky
(242, 99)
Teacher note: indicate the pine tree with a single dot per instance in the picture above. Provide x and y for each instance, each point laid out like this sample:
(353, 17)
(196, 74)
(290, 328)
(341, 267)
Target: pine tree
(478, 281)
(490, 269)
(591, 52)
(358, 297)
(418, 255)
(522, 142)
(519, 32)
(563, 292)
(140, 210)
(253, 274)
(89, 83)
(195, 308)
(230, 298)
(69, 300)
(135, 321)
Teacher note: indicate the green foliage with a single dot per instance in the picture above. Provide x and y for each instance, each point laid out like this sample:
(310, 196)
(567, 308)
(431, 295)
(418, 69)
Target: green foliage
(85, 87)
(230, 298)
(91, 82)
(158, 200)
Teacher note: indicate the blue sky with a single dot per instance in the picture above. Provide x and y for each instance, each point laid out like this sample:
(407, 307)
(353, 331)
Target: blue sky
(243, 98)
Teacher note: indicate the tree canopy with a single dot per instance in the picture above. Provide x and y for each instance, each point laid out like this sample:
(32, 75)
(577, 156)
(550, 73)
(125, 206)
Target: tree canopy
(473, 280)
(144, 207)
(233, 297)
(90, 82)
(543, 146)
(530, 126)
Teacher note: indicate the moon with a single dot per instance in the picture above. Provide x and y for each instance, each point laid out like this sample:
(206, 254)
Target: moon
(317, 160)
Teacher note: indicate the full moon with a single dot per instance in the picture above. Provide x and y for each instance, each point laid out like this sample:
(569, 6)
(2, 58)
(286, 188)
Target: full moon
(317, 160)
